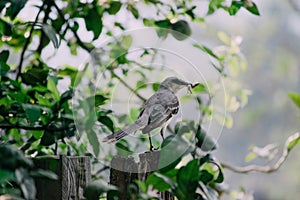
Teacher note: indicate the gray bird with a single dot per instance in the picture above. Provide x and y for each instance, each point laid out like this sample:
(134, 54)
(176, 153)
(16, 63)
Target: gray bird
(158, 109)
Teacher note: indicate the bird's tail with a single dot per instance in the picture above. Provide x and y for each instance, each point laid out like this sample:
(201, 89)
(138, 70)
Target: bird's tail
(121, 133)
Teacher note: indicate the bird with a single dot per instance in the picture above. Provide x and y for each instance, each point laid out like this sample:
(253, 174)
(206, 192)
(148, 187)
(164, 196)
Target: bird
(157, 110)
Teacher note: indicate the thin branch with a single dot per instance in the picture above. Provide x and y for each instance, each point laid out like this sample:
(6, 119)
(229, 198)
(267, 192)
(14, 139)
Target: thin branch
(27, 42)
(43, 35)
(128, 87)
(81, 44)
(263, 169)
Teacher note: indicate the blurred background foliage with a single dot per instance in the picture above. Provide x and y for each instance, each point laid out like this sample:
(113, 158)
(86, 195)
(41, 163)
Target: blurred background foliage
(52, 53)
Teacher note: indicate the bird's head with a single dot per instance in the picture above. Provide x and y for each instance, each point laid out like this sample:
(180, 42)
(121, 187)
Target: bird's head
(175, 84)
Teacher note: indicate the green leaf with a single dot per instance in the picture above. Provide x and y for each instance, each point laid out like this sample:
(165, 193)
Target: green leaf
(295, 98)
(224, 38)
(42, 100)
(155, 86)
(115, 6)
(233, 65)
(181, 29)
(126, 41)
(33, 112)
(235, 7)
(251, 156)
(4, 56)
(6, 175)
(4, 68)
(15, 7)
(51, 85)
(214, 5)
(48, 139)
(93, 22)
(37, 134)
(205, 176)
(206, 50)
(140, 85)
(159, 182)
(123, 148)
(190, 172)
(105, 120)
(67, 95)
(166, 24)
(190, 12)
(69, 71)
(134, 114)
(173, 149)
(51, 34)
(93, 140)
(187, 179)
(5, 28)
(96, 188)
(292, 141)
(14, 158)
(204, 142)
(205, 159)
(133, 10)
(228, 121)
(253, 8)
(35, 76)
(96, 100)
(220, 177)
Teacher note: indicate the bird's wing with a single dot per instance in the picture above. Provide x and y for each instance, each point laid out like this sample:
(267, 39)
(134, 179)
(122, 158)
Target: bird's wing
(160, 108)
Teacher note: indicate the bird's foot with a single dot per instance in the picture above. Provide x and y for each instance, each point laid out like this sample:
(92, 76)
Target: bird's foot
(152, 148)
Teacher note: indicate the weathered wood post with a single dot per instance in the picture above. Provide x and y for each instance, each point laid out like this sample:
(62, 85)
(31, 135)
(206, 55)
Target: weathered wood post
(124, 171)
(74, 174)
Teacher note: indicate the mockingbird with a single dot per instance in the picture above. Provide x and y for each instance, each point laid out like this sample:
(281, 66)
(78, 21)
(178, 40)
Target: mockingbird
(158, 109)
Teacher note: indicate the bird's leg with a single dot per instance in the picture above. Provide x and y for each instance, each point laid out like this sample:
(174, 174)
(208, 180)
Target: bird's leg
(162, 133)
(151, 145)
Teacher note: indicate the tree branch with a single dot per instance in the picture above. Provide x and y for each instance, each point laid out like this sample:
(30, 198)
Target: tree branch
(128, 86)
(81, 44)
(27, 42)
(265, 169)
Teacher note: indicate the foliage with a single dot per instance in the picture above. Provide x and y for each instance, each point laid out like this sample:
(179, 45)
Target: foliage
(17, 173)
(39, 117)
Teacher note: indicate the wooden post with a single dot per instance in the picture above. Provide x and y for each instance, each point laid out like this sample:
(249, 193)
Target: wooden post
(74, 174)
(124, 171)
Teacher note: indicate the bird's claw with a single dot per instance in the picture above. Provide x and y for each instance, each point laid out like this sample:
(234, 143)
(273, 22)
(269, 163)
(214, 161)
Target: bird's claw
(153, 149)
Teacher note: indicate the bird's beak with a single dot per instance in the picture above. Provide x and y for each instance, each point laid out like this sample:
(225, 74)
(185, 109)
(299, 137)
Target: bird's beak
(191, 86)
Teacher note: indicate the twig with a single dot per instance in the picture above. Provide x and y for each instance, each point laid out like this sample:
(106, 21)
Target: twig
(81, 44)
(263, 169)
(27, 42)
(128, 86)
(43, 36)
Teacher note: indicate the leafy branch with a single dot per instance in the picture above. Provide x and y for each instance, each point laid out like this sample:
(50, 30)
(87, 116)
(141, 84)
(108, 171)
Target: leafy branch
(290, 143)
